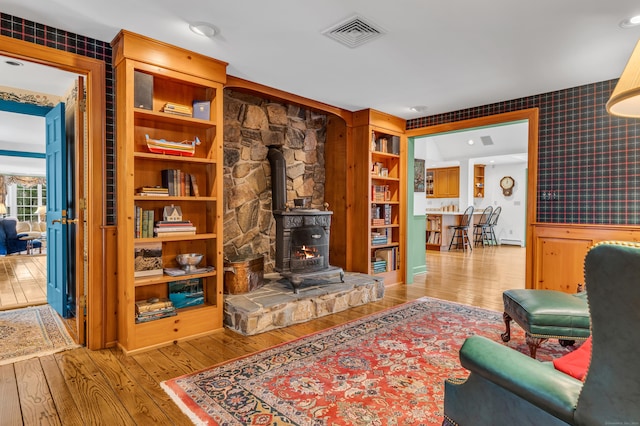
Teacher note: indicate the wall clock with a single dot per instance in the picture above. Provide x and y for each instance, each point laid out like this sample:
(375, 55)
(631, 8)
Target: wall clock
(506, 183)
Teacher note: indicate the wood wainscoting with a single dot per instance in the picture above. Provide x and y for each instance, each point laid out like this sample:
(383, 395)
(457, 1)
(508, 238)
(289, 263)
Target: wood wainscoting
(556, 261)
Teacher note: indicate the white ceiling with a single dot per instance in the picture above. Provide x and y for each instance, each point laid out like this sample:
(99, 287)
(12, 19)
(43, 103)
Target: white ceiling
(509, 145)
(26, 133)
(446, 55)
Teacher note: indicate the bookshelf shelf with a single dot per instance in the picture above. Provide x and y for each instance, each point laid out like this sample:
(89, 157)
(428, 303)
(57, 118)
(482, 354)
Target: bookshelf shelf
(173, 158)
(150, 73)
(161, 279)
(163, 117)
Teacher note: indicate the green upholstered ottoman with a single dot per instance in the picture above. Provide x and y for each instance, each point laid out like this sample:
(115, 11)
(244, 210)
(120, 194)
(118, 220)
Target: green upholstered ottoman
(545, 314)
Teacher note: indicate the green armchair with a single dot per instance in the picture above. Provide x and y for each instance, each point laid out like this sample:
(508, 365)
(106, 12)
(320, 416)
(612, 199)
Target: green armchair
(506, 387)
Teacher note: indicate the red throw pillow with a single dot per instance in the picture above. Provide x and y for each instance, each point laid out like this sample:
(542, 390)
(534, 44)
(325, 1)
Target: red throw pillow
(575, 363)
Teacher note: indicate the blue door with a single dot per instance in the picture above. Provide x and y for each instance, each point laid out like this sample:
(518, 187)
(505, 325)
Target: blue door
(56, 210)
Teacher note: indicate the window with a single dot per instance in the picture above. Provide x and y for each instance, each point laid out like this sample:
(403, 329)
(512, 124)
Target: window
(28, 198)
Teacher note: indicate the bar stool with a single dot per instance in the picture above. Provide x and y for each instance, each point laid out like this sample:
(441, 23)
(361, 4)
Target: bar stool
(461, 231)
(493, 221)
(481, 229)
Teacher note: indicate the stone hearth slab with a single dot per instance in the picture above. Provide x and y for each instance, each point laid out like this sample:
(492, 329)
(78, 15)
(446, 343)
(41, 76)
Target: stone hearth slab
(275, 305)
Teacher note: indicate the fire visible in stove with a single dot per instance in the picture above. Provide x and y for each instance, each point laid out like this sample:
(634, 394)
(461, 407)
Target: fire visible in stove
(306, 253)
(308, 249)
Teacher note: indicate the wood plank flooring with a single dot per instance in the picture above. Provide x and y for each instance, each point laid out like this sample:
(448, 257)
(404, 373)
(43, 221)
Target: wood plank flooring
(23, 281)
(82, 387)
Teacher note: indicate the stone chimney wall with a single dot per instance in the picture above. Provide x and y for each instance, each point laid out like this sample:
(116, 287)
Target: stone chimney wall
(251, 125)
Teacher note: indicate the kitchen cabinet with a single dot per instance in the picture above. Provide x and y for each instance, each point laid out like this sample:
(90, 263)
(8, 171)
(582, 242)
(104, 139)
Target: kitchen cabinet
(446, 182)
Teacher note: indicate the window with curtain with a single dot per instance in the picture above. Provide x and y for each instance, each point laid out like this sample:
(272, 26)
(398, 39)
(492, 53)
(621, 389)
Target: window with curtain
(28, 198)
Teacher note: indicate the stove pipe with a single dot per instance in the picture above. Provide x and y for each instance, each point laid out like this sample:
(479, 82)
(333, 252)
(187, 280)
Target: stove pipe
(278, 179)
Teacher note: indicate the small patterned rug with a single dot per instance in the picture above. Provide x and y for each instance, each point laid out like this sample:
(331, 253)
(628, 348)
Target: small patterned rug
(31, 332)
(385, 369)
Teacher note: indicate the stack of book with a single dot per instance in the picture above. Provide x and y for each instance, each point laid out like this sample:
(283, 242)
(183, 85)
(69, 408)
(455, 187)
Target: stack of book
(380, 193)
(378, 266)
(170, 228)
(377, 222)
(177, 109)
(379, 238)
(153, 309)
(153, 191)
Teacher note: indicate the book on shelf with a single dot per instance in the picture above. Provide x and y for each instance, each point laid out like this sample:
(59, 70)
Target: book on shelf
(174, 228)
(178, 182)
(195, 191)
(201, 110)
(186, 293)
(380, 193)
(378, 266)
(169, 312)
(389, 257)
(173, 108)
(147, 259)
(387, 214)
(160, 234)
(152, 304)
(380, 237)
(143, 223)
(152, 191)
(388, 144)
(173, 223)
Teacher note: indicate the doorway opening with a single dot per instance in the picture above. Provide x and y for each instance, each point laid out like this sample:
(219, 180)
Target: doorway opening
(417, 228)
(41, 133)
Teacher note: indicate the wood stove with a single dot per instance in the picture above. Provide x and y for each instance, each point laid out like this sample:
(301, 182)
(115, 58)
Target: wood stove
(302, 234)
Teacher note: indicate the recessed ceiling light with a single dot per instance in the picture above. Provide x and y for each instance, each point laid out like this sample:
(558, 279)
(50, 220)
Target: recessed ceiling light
(470, 142)
(634, 21)
(418, 108)
(202, 28)
(13, 63)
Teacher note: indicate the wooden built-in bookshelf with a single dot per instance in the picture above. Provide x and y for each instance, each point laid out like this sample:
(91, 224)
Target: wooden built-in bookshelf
(373, 162)
(178, 77)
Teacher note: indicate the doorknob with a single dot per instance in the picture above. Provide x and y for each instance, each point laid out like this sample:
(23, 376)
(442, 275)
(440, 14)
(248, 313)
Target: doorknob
(57, 221)
(72, 220)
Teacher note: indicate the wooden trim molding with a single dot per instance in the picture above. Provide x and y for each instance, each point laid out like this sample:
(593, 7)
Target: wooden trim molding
(270, 92)
(532, 115)
(94, 214)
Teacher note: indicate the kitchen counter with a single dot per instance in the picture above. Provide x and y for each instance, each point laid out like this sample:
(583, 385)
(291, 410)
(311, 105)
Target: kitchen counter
(439, 225)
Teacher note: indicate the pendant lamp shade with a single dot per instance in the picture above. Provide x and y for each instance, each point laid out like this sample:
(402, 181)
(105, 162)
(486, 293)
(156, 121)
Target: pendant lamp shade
(625, 99)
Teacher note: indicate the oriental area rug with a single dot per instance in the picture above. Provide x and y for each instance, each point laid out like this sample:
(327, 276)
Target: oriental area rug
(31, 332)
(388, 368)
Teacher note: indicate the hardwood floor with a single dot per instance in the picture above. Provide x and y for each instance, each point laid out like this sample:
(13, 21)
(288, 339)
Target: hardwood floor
(82, 387)
(23, 281)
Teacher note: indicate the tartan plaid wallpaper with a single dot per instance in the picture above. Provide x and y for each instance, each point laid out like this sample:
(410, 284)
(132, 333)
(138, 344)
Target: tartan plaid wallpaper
(32, 32)
(587, 158)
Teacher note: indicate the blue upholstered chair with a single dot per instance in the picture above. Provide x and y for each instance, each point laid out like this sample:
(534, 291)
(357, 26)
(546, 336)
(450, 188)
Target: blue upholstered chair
(507, 387)
(10, 241)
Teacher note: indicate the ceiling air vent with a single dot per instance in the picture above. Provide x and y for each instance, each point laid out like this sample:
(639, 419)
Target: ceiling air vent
(354, 31)
(486, 140)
